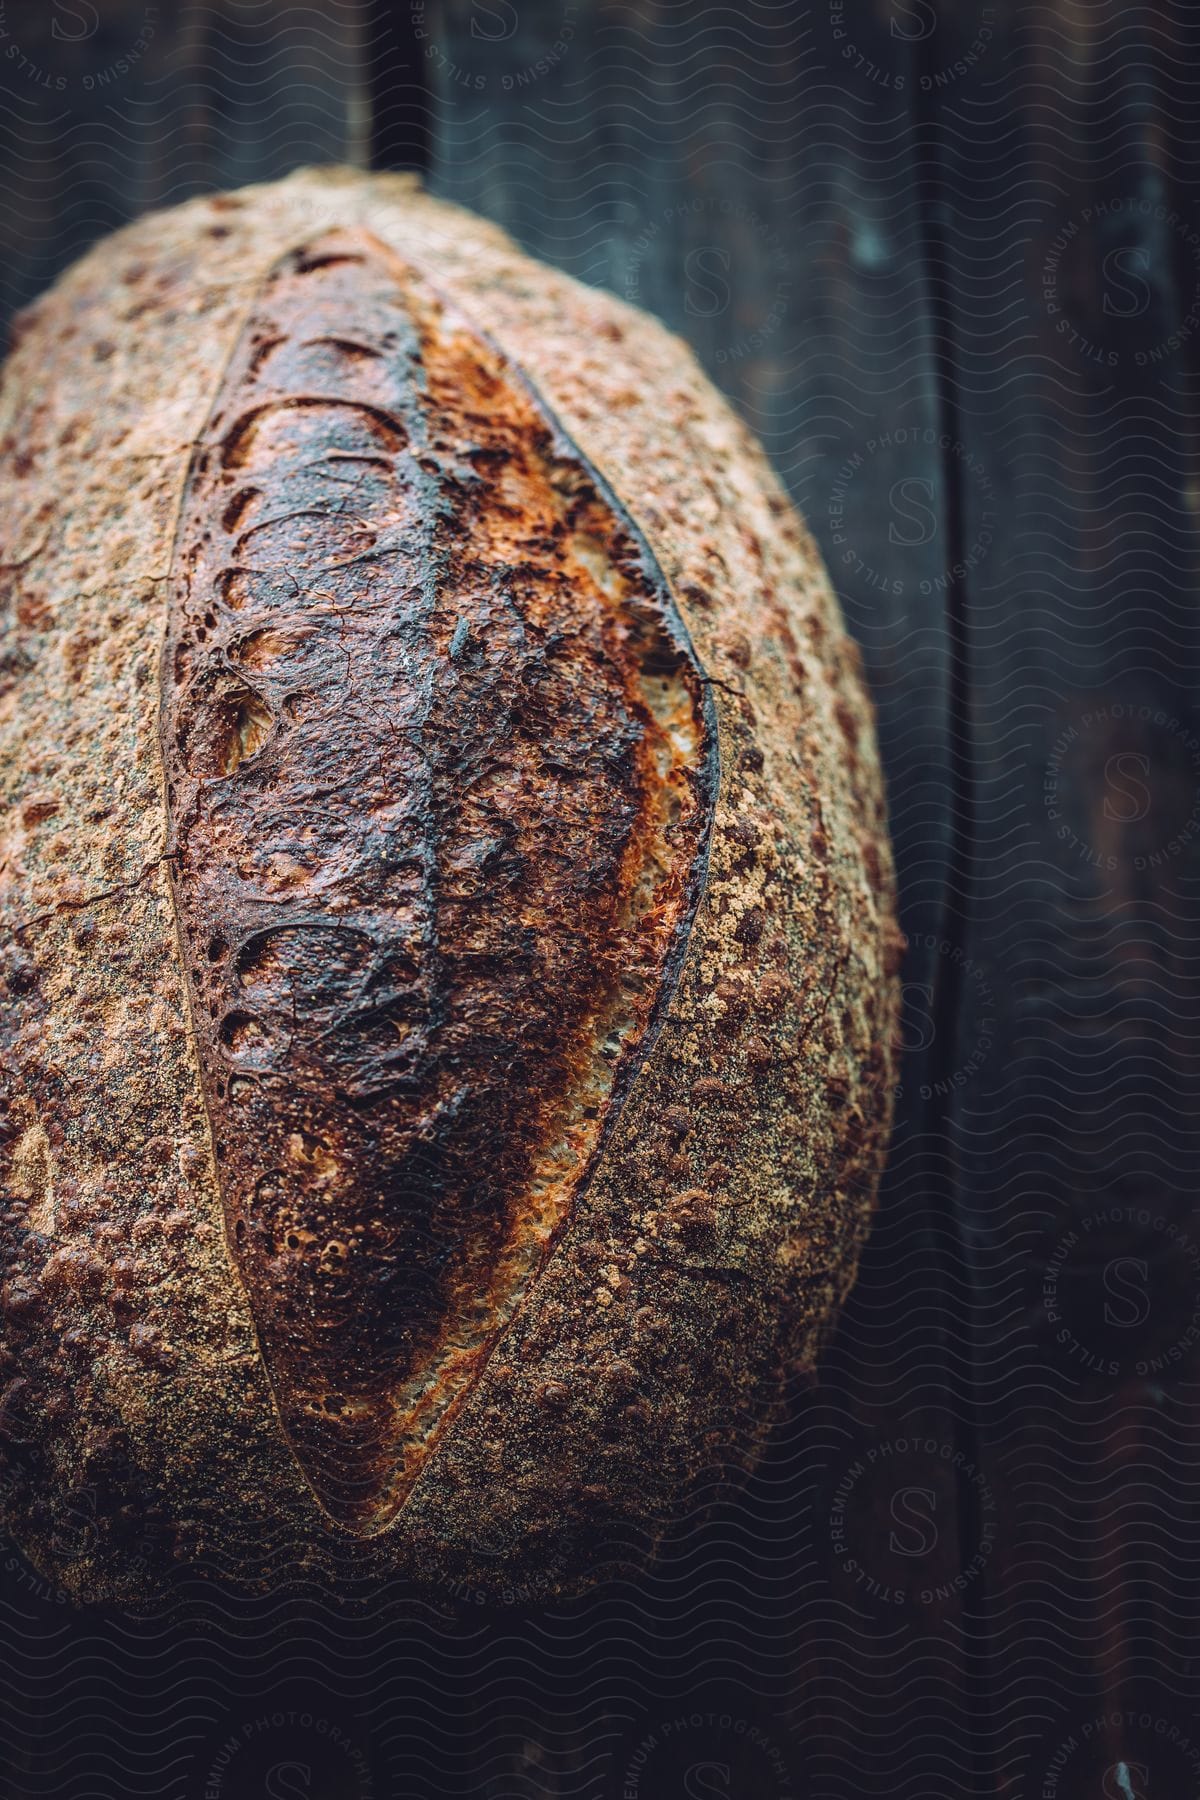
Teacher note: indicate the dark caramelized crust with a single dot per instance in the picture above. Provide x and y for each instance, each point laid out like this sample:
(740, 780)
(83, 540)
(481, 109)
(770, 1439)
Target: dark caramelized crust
(440, 781)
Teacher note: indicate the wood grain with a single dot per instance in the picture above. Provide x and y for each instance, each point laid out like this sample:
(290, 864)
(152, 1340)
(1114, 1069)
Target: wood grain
(1072, 257)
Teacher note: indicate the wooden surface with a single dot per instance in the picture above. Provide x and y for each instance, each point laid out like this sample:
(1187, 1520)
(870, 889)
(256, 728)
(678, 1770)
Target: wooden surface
(946, 262)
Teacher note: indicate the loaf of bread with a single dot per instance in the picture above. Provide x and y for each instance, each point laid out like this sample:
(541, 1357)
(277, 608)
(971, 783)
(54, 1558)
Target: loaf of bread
(447, 973)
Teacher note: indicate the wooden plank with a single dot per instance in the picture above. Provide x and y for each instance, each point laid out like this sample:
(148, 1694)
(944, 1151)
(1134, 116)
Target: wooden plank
(397, 41)
(750, 177)
(110, 110)
(1072, 260)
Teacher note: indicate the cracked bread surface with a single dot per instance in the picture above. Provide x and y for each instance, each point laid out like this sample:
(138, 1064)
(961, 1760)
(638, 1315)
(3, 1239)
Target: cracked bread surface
(448, 947)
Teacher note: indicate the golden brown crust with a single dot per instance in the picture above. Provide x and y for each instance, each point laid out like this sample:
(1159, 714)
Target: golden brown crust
(440, 779)
(721, 1221)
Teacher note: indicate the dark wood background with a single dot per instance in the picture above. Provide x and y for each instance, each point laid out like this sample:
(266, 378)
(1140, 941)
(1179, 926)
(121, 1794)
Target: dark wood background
(945, 259)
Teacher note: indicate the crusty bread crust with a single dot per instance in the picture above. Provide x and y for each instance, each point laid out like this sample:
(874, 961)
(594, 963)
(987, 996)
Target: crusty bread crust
(721, 1218)
(441, 767)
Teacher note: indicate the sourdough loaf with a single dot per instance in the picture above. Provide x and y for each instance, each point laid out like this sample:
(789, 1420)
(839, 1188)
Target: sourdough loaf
(448, 957)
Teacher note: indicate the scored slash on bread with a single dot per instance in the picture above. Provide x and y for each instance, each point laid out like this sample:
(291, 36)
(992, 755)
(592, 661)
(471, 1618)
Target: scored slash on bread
(446, 929)
(440, 775)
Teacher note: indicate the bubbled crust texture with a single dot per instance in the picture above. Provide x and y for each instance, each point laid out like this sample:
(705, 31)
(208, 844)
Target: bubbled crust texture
(721, 1222)
(440, 772)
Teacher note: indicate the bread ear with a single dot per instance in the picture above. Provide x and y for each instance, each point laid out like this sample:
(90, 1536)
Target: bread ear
(448, 943)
